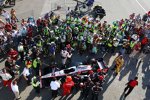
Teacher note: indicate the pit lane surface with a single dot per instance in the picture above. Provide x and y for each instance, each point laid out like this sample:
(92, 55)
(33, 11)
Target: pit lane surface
(113, 88)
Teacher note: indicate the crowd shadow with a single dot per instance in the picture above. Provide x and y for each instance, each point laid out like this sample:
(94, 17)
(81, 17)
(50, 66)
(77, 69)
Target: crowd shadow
(146, 77)
(31, 95)
(122, 96)
(134, 72)
(22, 84)
(108, 81)
(130, 66)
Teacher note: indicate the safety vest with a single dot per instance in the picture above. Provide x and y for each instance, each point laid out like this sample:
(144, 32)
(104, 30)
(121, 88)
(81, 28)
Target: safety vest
(132, 44)
(88, 39)
(39, 44)
(35, 83)
(109, 44)
(35, 63)
(46, 31)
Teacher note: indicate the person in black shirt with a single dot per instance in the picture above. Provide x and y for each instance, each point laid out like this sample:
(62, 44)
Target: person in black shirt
(87, 87)
(9, 65)
(95, 91)
(77, 81)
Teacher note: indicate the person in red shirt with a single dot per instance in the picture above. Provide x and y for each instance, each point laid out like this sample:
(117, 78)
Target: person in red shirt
(130, 86)
(30, 32)
(67, 85)
(13, 54)
(144, 42)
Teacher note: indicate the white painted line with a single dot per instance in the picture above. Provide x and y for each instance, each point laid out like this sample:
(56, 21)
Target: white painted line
(141, 6)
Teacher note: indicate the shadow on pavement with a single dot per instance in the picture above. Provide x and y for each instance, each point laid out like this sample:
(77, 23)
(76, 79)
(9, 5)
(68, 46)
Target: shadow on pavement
(129, 66)
(122, 96)
(134, 71)
(146, 78)
(108, 81)
(31, 95)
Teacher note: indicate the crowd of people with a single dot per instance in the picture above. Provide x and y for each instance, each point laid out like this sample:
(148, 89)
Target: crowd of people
(50, 35)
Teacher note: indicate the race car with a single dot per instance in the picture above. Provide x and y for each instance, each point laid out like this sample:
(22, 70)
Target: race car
(82, 69)
(69, 71)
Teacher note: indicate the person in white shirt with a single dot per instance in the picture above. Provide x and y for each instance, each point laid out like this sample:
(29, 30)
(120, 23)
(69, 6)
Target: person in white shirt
(26, 75)
(21, 50)
(54, 85)
(6, 15)
(6, 77)
(64, 56)
(15, 89)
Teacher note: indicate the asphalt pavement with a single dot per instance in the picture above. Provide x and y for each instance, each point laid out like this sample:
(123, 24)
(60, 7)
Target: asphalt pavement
(114, 86)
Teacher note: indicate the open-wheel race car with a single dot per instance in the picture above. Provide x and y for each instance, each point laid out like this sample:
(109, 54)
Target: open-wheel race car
(83, 69)
(69, 71)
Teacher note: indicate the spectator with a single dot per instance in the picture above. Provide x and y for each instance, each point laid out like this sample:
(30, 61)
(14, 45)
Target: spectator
(15, 89)
(68, 85)
(36, 65)
(27, 75)
(9, 65)
(36, 84)
(136, 49)
(6, 16)
(54, 85)
(13, 14)
(119, 61)
(8, 27)
(13, 54)
(130, 86)
(21, 51)
(64, 56)
(7, 78)
(95, 91)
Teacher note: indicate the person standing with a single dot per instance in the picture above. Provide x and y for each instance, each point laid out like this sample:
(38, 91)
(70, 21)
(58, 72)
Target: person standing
(13, 54)
(6, 15)
(145, 51)
(15, 89)
(144, 42)
(6, 77)
(64, 56)
(36, 84)
(54, 85)
(67, 85)
(9, 65)
(95, 91)
(136, 49)
(87, 88)
(26, 75)
(21, 51)
(130, 86)
(119, 61)
(36, 65)
(13, 14)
